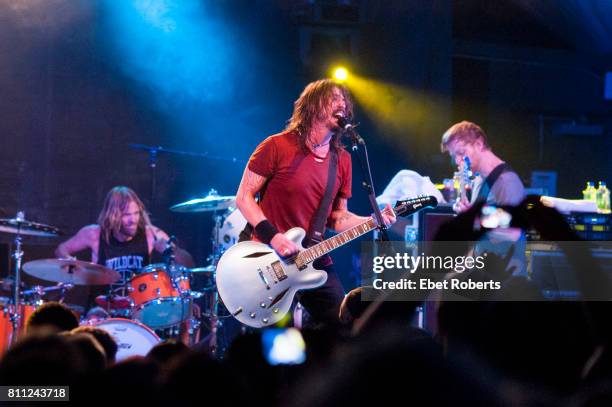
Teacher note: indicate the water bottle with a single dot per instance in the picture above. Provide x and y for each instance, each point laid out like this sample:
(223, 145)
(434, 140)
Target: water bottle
(603, 198)
(588, 194)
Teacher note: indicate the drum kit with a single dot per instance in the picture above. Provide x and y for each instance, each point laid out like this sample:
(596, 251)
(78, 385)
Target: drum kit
(157, 297)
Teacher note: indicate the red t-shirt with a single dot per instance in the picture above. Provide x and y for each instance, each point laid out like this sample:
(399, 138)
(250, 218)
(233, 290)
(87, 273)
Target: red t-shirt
(296, 181)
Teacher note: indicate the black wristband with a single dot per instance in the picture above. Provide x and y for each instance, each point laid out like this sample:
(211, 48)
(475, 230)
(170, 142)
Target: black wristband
(265, 231)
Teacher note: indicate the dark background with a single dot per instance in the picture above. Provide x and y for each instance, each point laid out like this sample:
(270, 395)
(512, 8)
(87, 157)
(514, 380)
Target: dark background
(82, 80)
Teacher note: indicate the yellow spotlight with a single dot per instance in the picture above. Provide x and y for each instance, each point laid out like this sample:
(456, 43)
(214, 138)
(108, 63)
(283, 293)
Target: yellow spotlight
(340, 74)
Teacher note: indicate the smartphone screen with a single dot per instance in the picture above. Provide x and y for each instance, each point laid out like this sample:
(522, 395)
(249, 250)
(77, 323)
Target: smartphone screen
(283, 346)
(493, 217)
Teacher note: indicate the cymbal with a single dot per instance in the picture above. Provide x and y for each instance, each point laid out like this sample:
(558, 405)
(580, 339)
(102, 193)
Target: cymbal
(71, 271)
(21, 226)
(209, 203)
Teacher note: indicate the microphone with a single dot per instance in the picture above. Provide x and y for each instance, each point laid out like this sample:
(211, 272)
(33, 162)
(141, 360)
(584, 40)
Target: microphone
(349, 129)
(343, 122)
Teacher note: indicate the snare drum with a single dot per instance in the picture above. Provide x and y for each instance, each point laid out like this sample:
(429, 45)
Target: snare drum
(133, 338)
(161, 299)
(6, 326)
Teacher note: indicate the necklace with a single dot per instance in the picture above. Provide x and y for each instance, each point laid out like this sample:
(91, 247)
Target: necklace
(320, 144)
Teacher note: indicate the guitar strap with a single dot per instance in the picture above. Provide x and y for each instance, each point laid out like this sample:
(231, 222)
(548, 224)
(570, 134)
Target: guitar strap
(317, 224)
(491, 179)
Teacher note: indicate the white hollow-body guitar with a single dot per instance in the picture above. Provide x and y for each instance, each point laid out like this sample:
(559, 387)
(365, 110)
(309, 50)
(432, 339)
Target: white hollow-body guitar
(257, 286)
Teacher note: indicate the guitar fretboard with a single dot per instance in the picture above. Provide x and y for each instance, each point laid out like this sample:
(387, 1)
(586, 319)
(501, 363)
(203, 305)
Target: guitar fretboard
(314, 252)
(407, 207)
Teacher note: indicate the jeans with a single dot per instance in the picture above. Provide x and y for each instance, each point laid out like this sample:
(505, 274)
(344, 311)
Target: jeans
(323, 303)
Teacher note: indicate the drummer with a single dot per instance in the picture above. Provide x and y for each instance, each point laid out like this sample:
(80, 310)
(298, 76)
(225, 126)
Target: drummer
(123, 239)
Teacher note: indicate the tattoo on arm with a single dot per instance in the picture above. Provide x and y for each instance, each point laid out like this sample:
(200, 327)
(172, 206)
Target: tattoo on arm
(340, 213)
(344, 217)
(251, 183)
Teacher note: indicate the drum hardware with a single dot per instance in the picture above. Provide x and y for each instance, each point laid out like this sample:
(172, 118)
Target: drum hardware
(215, 203)
(213, 295)
(39, 290)
(34, 296)
(19, 226)
(210, 270)
(194, 326)
(112, 302)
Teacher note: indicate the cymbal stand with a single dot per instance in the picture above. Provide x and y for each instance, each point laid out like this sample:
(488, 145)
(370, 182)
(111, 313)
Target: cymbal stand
(213, 295)
(18, 256)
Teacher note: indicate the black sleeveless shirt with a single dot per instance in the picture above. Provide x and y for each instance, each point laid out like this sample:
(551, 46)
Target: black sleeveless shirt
(124, 257)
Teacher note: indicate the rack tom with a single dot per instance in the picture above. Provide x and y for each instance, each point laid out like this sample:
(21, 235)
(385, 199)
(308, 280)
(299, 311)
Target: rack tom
(161, 297)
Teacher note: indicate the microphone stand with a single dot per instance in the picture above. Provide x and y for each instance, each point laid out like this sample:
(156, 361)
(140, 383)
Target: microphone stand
(153, 166)
(366, 174)
(154, 152)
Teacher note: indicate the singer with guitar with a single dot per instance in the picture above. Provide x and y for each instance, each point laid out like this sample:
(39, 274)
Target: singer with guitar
(303, 179)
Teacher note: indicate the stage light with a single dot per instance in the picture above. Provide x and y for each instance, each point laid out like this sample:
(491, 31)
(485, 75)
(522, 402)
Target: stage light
(394, 109)
(340, 74)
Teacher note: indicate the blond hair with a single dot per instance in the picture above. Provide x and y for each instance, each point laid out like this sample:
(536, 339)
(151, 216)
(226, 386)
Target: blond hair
(117, 199)
(465, 131)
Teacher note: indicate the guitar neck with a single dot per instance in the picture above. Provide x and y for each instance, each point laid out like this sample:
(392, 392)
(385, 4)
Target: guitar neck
(320, 249)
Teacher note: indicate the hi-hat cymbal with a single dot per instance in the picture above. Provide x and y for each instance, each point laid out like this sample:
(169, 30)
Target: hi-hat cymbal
(71, 271)
(209, 203)
(22, 226)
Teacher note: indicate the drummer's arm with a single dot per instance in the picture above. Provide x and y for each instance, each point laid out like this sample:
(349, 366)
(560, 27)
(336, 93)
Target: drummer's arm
(158, 239)
(160, 244)
(83, 240)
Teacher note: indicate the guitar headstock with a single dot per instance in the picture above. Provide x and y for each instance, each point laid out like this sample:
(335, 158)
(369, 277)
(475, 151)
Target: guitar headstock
(407, 207)
(467, 168)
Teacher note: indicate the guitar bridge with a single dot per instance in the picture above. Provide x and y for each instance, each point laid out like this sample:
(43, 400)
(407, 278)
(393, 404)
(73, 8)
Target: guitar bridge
(263, 278)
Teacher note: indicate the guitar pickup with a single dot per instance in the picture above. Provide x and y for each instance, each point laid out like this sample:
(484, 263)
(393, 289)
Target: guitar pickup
(277, 268)
(269, 273)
